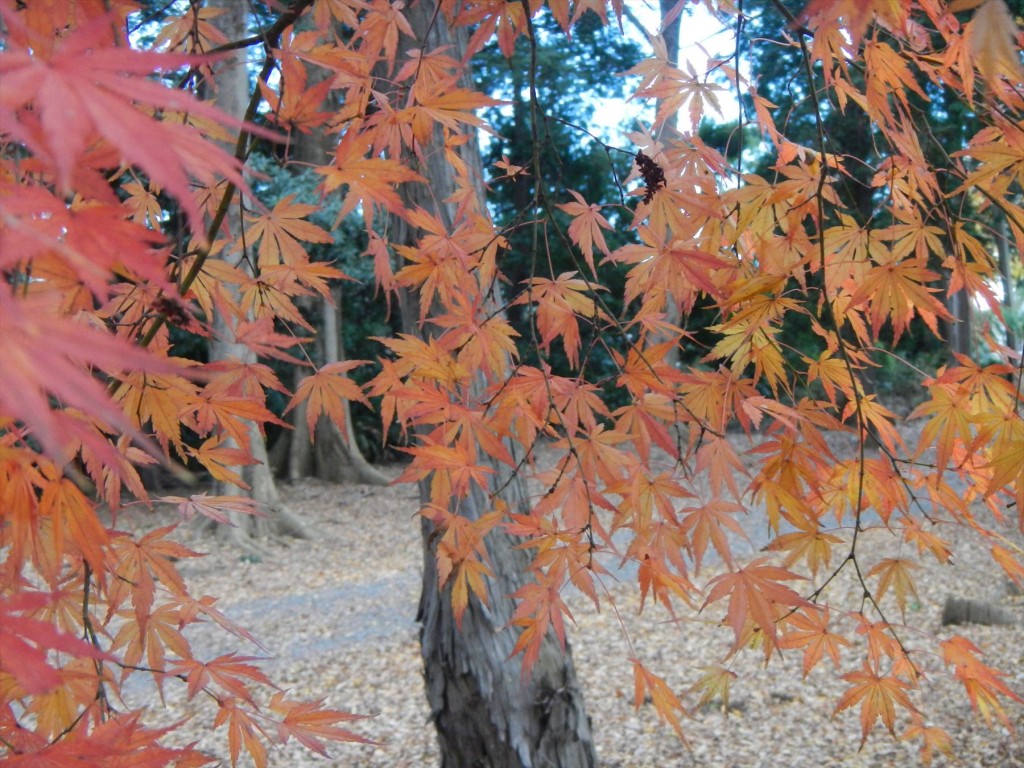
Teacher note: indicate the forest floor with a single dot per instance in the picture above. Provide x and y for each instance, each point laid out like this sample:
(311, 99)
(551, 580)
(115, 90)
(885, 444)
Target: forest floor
(336, 614)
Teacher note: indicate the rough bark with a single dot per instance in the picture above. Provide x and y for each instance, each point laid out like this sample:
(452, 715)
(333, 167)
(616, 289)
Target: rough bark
(230, 92)
(485, 711)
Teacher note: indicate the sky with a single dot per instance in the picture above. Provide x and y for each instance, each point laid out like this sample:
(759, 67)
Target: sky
(701, 36)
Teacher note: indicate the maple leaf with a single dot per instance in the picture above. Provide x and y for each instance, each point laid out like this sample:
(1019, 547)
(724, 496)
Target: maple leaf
(874, 416)
(1011, 565)
(141, 563)
(155, 399)
(326, 391)
(933, 740)
(665, 702)
(895, 291)
(72, 516)
(709, 523)
(220, 459)
(856, 14)
(540, 607)
(993, 42)
(926, 540)
(157, 636)
(454, 462)
(559, 302)
(25, 643)
(949, 425)
(234, 415)
(982, 683)
(309, 722)
(84, 241)
(669, 268)
(878, 694)
(280, 230)
(586, 226)
(217, 508)
(193, 31)
(189, 609)
(116, 742)
(672, 86)
(894, 573)
(483, 342)
(227, 672)
(448, 107)
(810, 544)
(808, 629)
(89, 85)
(259, 336)
(243, 730)
(597, 455)
(296, 104)
(714, 684)
(369, 181)
(46, 354)
(755, 592)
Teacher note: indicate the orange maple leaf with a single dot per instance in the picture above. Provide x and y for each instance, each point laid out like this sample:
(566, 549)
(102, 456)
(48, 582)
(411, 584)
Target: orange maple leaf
(982, 682)
(895, 291)
(280, 230)
(879, 695)
(755, 592)
(894, 573)
(326, 391)
(666, 703)
(808, 629)
(560, 303)
(586, 226)
(540, 607)
(309, 722)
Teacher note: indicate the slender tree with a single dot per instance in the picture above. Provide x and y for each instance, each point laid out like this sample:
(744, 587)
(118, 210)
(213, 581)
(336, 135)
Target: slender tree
(229, 84)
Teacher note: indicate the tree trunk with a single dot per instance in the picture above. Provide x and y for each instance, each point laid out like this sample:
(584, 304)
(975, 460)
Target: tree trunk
(337, 455)
(231, 94)
(960, 331)
(1006, 277)
(486, 713)
(328, 454)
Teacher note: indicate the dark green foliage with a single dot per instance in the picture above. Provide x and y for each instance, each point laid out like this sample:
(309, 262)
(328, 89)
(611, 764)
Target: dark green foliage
(572, 76)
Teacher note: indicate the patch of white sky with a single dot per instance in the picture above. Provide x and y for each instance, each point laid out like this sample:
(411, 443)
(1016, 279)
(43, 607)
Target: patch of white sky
(703, 38)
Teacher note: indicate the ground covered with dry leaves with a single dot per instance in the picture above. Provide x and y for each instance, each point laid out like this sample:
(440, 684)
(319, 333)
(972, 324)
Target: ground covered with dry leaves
(337, 614)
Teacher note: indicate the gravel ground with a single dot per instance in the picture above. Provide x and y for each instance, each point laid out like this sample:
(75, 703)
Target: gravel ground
(337, 616)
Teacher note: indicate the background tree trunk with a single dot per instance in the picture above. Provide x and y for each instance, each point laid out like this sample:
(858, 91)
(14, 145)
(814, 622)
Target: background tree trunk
(327, 454)
(337, 455)
(485, 712)
(231, 94)
(1006, 277)
(960, 327)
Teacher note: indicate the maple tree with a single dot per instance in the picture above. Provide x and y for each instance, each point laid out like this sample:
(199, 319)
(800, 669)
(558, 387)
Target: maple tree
(121, 187)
